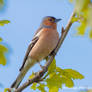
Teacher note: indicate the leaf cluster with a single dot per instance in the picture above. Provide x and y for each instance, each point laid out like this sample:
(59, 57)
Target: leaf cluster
(1, 3)
(84, 16)
(56, 77)
(3, 22)
(3, 49)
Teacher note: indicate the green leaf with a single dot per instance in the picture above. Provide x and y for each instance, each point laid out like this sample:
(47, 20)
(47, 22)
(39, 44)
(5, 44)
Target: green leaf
(52, 66)
(68, 82)
(90, 34)
(3, 48)
(75, 19)
(34, 86)
(65, 77)
(1, 3)
(89, 16)
(74, 74)
(2, 59)
(41, 87)
(62, 72)
(81, 5)
(53, 89)
(6, 90)
(82, 28)
(3, 22)
(1, 39)
(54, 82)
(32, 75)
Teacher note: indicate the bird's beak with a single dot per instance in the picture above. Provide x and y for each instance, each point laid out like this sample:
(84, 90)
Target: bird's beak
(57, 20)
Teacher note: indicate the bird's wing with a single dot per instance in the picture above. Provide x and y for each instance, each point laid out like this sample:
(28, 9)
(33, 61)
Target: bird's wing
(33, 42)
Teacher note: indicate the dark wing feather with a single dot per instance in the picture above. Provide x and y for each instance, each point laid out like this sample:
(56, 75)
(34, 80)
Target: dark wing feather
(34, 40)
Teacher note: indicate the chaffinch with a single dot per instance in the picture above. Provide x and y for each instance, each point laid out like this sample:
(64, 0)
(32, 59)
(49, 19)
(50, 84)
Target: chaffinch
(42, 44)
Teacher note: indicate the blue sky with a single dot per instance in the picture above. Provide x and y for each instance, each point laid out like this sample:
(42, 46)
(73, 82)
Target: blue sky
(25, 17)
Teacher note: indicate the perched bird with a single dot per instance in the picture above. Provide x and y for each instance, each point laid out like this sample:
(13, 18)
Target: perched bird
(42, 44)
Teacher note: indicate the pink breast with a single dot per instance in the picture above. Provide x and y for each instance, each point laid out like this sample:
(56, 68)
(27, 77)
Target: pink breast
(45, 45)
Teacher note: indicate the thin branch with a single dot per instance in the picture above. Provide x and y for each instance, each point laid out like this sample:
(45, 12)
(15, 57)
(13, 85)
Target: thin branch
(40, 74)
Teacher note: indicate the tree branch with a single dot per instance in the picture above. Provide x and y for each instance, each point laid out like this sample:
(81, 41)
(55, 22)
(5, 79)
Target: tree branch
(40, 74)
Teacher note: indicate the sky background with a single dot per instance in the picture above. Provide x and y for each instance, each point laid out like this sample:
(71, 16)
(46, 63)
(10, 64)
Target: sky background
(25, 17)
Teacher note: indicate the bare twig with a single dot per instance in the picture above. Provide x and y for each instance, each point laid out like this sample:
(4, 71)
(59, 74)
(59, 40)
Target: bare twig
(40, 74)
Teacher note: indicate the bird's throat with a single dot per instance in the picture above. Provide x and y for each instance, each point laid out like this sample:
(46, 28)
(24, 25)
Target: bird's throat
(46, 26)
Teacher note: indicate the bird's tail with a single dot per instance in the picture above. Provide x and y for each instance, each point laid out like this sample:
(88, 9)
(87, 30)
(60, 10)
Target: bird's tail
(28, 65)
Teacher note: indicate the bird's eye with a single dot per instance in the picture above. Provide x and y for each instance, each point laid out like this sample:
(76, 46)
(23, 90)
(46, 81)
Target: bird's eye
(51, 20)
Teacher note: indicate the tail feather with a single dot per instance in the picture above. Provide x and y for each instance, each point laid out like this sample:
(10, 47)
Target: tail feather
(29, 63)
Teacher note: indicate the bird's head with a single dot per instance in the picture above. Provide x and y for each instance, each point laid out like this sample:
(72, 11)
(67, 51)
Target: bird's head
(50, 21)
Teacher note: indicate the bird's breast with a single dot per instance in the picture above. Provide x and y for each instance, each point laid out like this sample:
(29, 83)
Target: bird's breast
(47, 42)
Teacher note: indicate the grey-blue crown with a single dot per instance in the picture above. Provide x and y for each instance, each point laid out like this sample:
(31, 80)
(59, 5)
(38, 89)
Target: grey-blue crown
(49, 17)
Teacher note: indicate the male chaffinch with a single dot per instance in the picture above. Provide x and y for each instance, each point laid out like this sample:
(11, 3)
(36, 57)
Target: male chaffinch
(42, 44)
